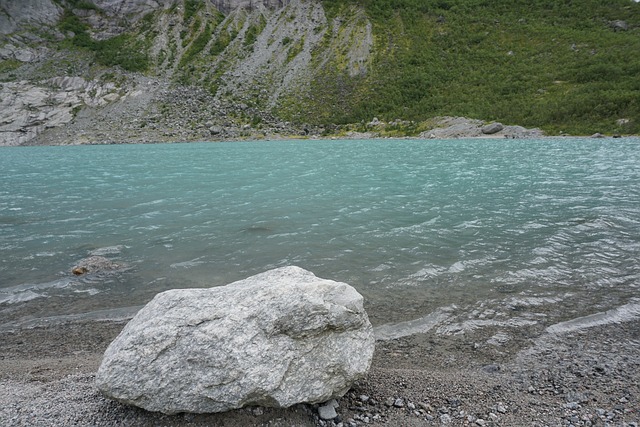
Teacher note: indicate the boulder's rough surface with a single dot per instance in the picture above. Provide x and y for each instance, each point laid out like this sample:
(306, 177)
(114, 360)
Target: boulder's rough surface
(275, 339)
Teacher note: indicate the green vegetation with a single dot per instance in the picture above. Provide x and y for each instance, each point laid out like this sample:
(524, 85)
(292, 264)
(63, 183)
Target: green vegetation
(9, 65)
(254, 31)
(295, 49)
(71, 24)
(191, 7)
(123, 50)
(224, 39)
(198, 45)
(559, 65)
(556, 65)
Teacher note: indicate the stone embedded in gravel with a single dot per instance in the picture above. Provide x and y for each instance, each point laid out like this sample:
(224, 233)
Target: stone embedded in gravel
(328, 410)
(425, 406)
(491, 369)
(398, 403)
(275, 339)
(572, 405)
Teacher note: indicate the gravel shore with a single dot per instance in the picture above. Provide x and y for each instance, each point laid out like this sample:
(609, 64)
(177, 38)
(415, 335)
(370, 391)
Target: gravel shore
(587, 377)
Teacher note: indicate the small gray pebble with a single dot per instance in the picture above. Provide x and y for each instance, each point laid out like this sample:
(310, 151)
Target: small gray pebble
(327, 412)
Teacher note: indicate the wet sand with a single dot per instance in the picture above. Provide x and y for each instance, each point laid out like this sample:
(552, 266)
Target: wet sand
(584, 377)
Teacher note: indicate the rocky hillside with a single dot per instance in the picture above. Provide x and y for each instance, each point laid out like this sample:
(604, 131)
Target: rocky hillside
(79, 71)
(98, 71)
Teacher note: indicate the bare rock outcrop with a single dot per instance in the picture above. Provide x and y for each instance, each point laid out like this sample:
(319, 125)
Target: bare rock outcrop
(27, 109)
(226, 6)
(461, 127)
(15, 14)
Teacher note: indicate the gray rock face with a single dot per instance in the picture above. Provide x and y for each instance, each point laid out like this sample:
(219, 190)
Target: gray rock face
(25, 54)
(227, 6)
(275, 339)
(133, 8)
(26, 110)
(14, 14)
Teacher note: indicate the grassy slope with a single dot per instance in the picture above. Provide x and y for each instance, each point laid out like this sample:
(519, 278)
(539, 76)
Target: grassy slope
(558, 65)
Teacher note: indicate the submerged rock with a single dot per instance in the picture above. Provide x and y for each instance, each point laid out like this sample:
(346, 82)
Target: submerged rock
(275, 339)
(96, 264)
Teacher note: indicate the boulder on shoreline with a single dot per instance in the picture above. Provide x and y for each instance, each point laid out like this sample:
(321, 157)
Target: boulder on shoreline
(275, 339)
(492, 128)
(462, 127)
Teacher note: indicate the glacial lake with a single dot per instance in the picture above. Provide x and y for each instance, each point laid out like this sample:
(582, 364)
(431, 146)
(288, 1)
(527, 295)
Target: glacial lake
(452, 235)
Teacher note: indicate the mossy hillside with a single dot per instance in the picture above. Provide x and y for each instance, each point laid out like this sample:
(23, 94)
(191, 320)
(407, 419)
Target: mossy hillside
(6, 68)
(125, 50)
(561, 66)
(335, 83)
(557, 65)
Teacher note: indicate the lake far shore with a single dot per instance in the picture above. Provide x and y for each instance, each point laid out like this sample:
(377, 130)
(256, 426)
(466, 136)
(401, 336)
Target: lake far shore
(587, 377)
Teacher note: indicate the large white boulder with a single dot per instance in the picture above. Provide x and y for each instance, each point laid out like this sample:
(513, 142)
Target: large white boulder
(275, 339)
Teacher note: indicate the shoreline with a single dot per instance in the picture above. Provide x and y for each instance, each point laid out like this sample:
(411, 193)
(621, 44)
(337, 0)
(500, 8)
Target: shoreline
(583, 377)
(324, 138)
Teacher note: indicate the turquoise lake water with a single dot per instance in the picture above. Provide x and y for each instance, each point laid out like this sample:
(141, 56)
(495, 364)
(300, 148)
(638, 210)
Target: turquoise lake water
(485, 232)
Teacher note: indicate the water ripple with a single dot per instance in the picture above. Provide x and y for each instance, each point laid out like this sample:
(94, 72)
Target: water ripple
(414, 225)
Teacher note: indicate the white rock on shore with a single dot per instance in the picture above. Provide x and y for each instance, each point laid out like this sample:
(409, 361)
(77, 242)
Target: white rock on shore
(275, 339)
